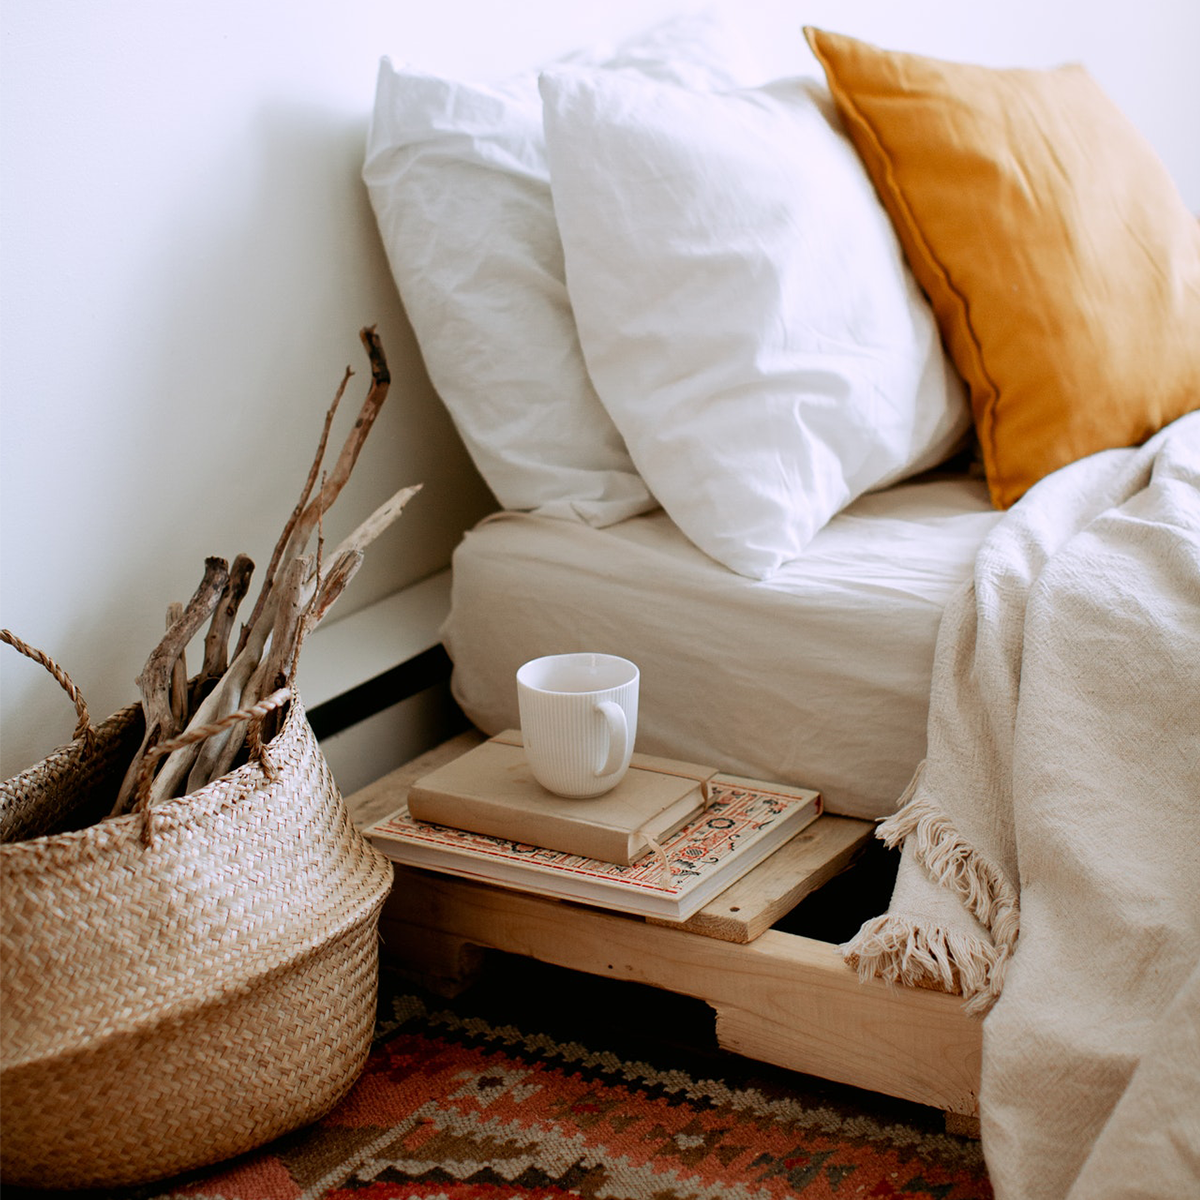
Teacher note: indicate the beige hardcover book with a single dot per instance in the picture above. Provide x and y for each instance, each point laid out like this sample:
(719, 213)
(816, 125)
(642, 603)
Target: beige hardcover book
(491, 790)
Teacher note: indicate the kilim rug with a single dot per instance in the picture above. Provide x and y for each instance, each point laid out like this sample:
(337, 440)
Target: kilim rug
(543, 1084)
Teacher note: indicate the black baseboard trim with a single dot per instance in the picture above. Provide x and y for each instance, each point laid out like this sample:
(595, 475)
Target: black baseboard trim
(427, 669)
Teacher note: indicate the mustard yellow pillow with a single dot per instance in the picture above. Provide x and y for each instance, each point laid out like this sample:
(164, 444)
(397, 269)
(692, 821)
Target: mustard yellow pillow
(1060, 259)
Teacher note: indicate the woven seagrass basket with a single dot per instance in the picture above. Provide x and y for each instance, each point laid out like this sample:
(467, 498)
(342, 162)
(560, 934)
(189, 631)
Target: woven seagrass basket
(181, 985)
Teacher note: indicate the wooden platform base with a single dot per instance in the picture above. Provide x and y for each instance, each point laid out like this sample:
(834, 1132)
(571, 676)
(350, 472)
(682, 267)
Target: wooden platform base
(778, 997)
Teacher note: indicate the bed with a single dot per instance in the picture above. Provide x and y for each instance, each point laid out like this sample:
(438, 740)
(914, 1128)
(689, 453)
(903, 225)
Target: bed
(860, 412)
(821, 673)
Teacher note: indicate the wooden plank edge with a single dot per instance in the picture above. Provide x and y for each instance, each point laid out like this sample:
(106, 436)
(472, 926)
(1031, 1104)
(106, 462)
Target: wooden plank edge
(752, 904)
(782, 998)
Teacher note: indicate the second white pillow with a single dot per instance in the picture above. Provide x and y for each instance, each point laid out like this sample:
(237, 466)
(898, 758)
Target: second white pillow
(744, 308)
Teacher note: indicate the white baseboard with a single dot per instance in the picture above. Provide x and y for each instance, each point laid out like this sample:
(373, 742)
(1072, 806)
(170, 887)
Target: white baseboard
(350, 651)
(358, 648)
(369, 750)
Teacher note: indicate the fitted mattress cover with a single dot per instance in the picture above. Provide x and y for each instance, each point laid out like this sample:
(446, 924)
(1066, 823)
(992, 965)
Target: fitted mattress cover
(818, 676)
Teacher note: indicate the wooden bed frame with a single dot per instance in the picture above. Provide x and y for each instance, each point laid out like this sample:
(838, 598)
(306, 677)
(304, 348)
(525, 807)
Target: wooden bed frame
(779, 997)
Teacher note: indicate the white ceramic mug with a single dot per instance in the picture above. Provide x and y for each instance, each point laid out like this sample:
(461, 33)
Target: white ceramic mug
(578, 721)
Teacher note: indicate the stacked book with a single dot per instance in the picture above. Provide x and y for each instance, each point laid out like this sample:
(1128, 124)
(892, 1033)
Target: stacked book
(666, 840)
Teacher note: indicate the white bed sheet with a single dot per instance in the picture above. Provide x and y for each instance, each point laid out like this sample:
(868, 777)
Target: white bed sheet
(819, 676)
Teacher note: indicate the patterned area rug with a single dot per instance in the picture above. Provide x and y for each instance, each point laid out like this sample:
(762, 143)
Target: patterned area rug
(495, 1095)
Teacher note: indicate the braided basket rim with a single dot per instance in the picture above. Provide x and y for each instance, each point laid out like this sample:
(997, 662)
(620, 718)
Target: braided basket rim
(168, 817)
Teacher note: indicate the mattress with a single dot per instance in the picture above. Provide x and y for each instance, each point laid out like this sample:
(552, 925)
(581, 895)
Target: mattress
(818, 676)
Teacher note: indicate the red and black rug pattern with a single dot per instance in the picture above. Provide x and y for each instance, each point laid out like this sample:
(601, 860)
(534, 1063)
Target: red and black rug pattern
(460, 1101)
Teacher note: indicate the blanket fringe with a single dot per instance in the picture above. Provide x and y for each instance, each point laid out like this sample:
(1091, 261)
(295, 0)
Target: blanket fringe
(956, 865)
(980, 885)
(899, 951)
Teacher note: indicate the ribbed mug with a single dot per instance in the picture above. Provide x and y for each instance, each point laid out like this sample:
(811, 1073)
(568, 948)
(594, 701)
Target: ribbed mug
(578, 721)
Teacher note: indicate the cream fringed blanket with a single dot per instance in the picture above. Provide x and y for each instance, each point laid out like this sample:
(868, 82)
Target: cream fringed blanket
(1051, 862)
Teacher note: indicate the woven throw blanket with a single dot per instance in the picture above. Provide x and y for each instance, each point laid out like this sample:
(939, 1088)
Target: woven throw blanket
(1051, 839)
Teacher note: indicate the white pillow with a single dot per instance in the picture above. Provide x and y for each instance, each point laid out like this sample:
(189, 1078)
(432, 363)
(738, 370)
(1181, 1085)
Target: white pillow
(744, 307)
(458, 179)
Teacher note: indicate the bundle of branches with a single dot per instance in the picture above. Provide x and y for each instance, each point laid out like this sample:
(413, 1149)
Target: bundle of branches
(296, 593)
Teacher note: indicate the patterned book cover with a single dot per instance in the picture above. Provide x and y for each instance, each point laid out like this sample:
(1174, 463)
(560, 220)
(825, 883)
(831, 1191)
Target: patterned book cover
(744, 822)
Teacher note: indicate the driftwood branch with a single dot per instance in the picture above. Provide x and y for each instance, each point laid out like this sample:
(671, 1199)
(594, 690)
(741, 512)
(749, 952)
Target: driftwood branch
(179, 690)
(345, 567)
(309, 512)
(378, 521)
(337, 478)
(305, 597)
(279, 663)
(222, 700)
(216, 641)
(296, 593)
(293, 520)
(218, 754)
(155, 680)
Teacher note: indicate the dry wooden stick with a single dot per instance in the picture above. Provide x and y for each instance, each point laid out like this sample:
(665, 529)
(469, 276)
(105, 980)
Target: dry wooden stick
(200, 732)
(347, 559)
(351, 448)
(277, 667)
(216, 640)
(306, 597)
(308, 513)
(299, 529)
(297, 532)
(214, 707)
(279, 663)
(226, 695)
(328, 588)
(332, 585)
(155, 680)
(179, 688)
(217, 755)
(304, 601)
(252, 671)
(293, 520)
(361, 537)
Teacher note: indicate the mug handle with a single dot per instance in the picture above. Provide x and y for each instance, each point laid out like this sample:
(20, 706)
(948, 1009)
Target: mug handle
(618, 735)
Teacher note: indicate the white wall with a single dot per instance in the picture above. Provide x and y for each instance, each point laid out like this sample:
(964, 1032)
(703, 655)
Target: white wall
(187, 254)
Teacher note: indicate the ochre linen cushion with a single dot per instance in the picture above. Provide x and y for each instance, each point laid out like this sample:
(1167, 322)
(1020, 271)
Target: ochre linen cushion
(1061, 261)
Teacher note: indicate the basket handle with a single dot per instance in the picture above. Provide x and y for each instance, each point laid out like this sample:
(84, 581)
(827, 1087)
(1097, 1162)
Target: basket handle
(254, 714)
(83, 727)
